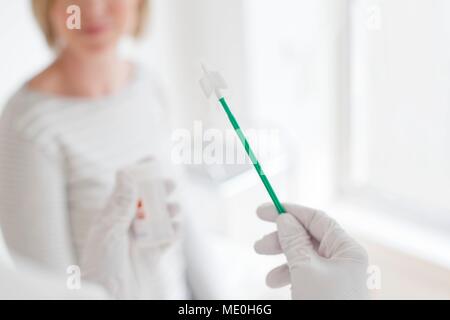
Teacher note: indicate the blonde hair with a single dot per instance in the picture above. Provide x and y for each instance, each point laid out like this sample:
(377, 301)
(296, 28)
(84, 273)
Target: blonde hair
(41, 10)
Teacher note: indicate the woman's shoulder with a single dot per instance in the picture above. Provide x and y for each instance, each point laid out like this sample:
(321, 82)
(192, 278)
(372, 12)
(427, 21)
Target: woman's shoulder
(26, 113)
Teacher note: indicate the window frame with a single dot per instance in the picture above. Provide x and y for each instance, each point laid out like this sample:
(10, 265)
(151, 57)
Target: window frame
(356, 204)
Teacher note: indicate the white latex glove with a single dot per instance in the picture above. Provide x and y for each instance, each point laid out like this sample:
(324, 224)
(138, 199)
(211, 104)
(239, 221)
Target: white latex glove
(323, 261)
(107, 259)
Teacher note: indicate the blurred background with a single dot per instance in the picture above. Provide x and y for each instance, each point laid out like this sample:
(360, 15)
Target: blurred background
(357, 92)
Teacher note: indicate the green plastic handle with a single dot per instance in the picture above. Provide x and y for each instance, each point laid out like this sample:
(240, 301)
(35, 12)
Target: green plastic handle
(252, 156)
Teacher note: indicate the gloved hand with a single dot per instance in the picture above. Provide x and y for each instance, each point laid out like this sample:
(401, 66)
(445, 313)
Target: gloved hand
(323, 261)
(106, 259)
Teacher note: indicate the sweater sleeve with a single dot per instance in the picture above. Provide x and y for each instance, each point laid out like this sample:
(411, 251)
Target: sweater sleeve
(33, 205)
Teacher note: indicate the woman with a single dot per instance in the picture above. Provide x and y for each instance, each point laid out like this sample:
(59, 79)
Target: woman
(67, 132)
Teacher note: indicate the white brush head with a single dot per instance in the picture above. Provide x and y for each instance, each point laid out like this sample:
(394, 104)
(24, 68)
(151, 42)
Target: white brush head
(212, 82)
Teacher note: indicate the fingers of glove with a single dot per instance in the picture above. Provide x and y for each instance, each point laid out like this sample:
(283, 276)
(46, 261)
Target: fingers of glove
(320, 226)
(124, 197)
(169, 186)
(267, 212)
(269, 245)
(294, 240)
(316, 222)
(332, 239)
(174, 213)
(278, 277)
(173, 209)
(338, 244)
(176, 225)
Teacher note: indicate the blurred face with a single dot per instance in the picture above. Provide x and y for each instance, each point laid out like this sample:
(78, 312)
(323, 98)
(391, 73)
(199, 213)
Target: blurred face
(103, 23)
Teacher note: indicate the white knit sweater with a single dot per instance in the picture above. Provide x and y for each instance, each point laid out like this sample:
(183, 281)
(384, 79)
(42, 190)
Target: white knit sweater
(58, 161)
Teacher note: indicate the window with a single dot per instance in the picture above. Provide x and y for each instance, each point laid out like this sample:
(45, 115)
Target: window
(362, 88)
(399, 115)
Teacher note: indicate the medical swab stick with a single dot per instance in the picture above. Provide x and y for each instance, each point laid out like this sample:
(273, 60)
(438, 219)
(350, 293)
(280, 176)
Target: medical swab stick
(214, 82)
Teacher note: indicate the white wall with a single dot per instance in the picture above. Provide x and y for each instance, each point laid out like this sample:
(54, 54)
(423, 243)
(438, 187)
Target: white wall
(22, 48)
